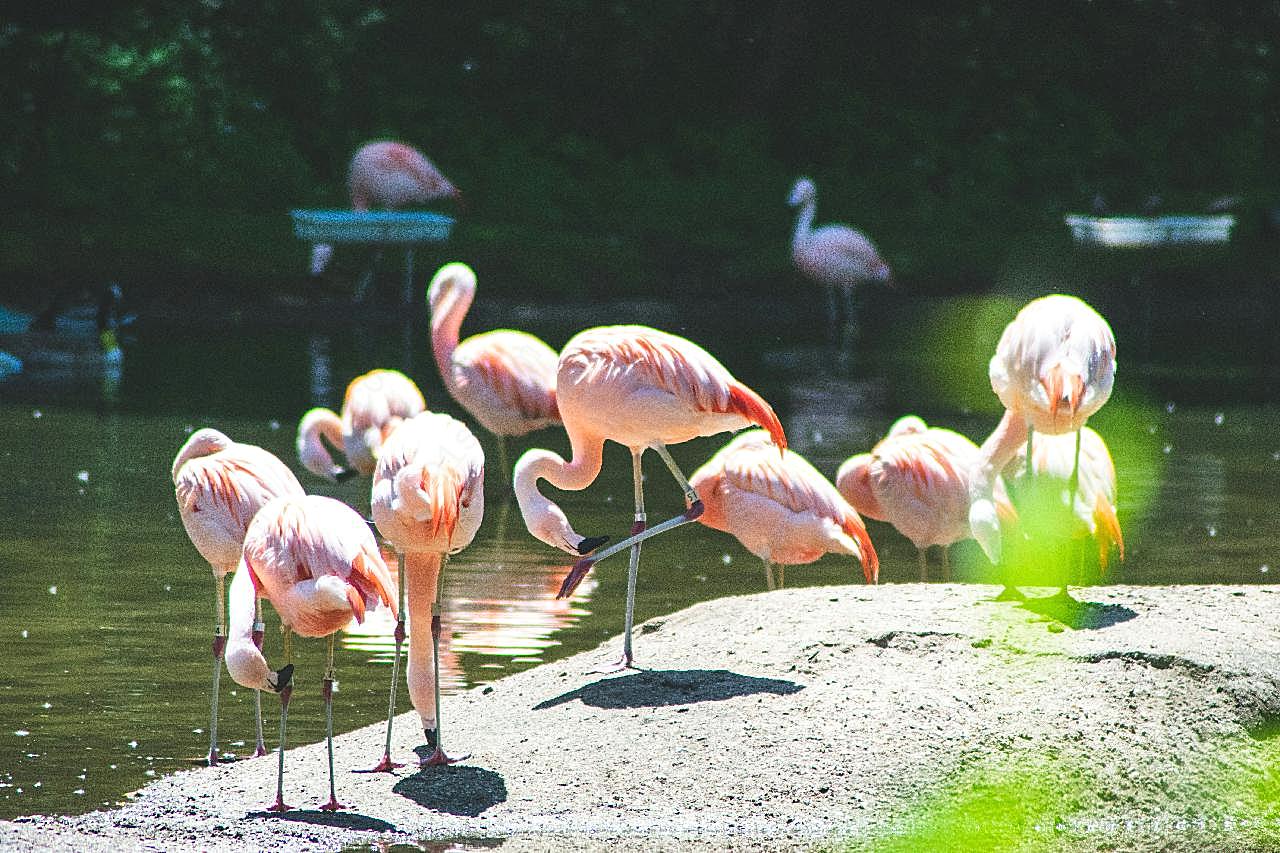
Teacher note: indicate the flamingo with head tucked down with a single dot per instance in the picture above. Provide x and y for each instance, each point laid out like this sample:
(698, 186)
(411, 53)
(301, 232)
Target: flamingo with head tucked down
(428, 501)
(1091, 512)
(779, 507)
(917, 479)
(220, 485)
(317, 562)
(391, 175)
(834, 255)
(374, 405)
(505, 379)
(1053, 368)
(642, 388)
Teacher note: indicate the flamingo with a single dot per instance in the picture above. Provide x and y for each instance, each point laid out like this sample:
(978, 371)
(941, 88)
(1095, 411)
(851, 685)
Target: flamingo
(316, 560)
(836, 256)
(1053, 367)
(374, 404)
(917, 479)
(219, 485)
(1093, 506)
(642, 388)
(428, 500)
(779, 507)
(505, 379)
(392, 175)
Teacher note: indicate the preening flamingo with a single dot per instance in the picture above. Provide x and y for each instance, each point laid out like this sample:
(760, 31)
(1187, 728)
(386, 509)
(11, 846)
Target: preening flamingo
(505, 379)
(220, 484)
(1090, 512)
(1053, 367)
(836, 256)
(917, 479)
(392, 175)
(374, 405)
(643, 389)
(317, 562)
(779, 507)
(428, 500)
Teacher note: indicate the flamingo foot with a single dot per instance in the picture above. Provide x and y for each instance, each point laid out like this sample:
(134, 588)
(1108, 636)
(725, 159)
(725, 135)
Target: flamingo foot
(386, 765)
(439, 757)
(279, 806)
(260, 750)
(214, 757)
(621, 665)
(575, 577)
(1010, 593)
(332, 806)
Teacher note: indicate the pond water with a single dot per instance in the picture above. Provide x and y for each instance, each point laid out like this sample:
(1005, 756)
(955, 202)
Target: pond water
(106, 607)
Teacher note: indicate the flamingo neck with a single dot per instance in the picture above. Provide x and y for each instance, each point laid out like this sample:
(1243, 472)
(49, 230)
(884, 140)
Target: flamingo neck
(542, 517)
(804, 221)
(447, 314)
(245, 662)
(1001, 446)
(422, 578)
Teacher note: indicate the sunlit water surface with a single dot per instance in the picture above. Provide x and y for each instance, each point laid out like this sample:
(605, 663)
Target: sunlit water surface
(107, 609)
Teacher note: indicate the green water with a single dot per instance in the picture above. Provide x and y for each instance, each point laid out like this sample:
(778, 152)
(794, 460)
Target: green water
(106, 609)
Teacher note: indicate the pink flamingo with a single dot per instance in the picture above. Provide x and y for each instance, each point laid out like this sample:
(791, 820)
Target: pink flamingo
(917, 479)
(1054, 366)
(643, 389)
(316, 560)
(1056, 461)
(836, 256)
(392, 175)
(374, 405)
(220, 484)
(428, 500)
(779, 507)
(505, 379)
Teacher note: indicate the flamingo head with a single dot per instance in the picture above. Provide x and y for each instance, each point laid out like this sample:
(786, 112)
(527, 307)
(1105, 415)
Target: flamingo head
(452, 282)
(1064, 389)
(984, 524)
(802, 192)
(907, 425)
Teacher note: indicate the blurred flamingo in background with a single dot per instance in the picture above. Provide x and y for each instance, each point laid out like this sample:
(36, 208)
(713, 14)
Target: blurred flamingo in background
(917, 479)
(374, 405)
(836, 256)
(1091, 511)
(1053, 367)
(779, 507)
(428, 501)
(316, 560)
(643, 389)
(219, 485)
(391, 175)
(505, 379)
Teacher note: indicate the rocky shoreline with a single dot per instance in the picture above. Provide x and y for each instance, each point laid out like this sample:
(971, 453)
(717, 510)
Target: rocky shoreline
(904, 716)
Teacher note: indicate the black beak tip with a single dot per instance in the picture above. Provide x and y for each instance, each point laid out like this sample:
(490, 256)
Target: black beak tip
(345, 474)
(284, 677)
(590, 543)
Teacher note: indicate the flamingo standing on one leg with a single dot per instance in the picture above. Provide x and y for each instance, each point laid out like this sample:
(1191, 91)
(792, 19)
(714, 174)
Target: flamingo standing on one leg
(316, 560)
(392, 175)
(917, 479)
(836, 256)
(428, 500)
(643, 389)
(505, 379)
(779, 507)
(1054, 367)
(220, 484)
(374, 405)
(1092, 508)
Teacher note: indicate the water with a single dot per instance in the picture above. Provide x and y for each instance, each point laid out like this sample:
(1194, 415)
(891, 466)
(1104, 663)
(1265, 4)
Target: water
(106, 607)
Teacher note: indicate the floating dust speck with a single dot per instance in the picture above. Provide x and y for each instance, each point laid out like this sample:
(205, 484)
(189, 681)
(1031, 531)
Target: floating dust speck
(1264, 569)
(1211, 530)
(1168, 448)
(36, 413)
(82, 476)
(274, 426)
(22, 732)
(726, 559)
(1218, 419)
(1168, 407)
(53, 590)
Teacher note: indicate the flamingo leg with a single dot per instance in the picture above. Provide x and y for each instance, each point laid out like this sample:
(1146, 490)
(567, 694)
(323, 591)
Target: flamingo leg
(330, 684)
(438, 755)
(946, 564)
(259, 631)
(782, 575)
(768, 576)
(503, 461)
(386, 765)
(693, 512)
(279, 805)
(219, 647)
(633, 570)
(833, 314)
(850, 333)
(922, 558)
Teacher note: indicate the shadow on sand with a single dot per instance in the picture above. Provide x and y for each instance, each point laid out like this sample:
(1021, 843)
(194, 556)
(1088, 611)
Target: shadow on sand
(656, 688)
(456, 789)
(1079, 615)
(339, 819)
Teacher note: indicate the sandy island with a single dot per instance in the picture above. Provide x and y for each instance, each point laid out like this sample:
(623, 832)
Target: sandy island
(904, 716)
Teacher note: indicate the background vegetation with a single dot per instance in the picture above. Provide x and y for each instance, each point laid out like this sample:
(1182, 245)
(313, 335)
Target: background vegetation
(624, 147)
